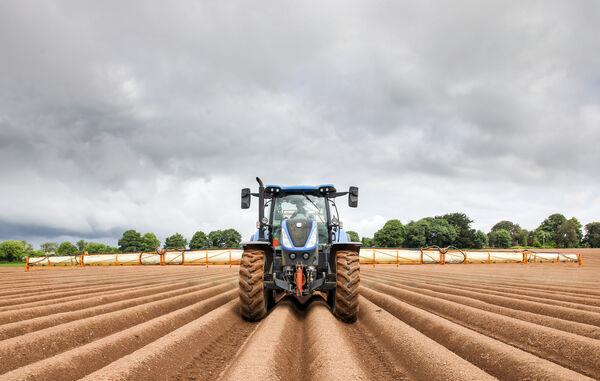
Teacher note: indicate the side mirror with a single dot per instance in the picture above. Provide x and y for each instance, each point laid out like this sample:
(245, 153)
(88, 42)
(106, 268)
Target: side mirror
(246, 198)
(353, 197)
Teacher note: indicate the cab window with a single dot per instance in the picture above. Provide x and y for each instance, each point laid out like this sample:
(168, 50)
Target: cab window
(300, 206)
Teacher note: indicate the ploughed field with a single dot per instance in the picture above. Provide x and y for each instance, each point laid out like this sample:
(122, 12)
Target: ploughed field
(477, 322)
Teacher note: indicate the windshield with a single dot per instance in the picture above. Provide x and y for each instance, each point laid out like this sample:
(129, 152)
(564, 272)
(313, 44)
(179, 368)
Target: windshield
(300, 206)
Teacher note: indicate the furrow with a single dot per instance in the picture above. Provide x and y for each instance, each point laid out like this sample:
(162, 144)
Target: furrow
(422, 357)
(510, 278)
(261, 359)
(590, 300)
(99, 292)
(69, 285)
(327, 348)
(496, 358)
(531, 282)
(38, 345)
(101, 305)
(53, 296)
(130, 287)
(166, 356)
(480, 302)
(575, 352)
(78, 362)
(588, 319)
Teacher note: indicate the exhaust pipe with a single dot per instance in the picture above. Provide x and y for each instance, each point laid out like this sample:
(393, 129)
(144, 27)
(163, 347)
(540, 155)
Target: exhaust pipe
(261, 209)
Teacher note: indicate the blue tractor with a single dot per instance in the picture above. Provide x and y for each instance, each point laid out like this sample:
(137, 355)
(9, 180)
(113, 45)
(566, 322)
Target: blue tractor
(299, 249)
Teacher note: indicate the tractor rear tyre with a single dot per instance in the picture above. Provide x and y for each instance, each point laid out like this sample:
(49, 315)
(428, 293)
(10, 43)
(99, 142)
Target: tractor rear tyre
(344, 299)
(254, 298)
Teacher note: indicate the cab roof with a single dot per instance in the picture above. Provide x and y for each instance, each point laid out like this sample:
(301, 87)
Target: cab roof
(300, 187)
(323, 188)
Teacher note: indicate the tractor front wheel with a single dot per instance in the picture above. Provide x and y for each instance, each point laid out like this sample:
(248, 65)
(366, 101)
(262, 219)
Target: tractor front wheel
(254, 298)
(345, 297)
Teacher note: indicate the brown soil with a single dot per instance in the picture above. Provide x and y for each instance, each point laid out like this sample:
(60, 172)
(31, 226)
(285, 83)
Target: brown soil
(456, 322)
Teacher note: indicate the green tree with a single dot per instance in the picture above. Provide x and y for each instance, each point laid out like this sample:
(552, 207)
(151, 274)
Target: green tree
(579, 229)
(592, 234)
(530, 238)
(462, 223)
(416, 233)
(224, 238)
(367, 242)
(36, 253)
(232, 238)
(29, 251)
(551, 225)
(480, 240)
(542, 238)
(49, 247)
(353, 236)
(390, 235)
(523, 238)
(199, 241)
(569, 234)
(518, 234)
(95, 248)
(67, 248)
(151, 242)
(500, 238)
(214, 238)
(100, 248)
(430, 231)
(131, 241)
(441, 233)
(11, 251)
(176, 241)
(81, 244)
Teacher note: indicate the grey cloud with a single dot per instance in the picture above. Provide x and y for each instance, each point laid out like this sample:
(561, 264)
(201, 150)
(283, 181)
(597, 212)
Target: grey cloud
(29, 231)
(112, 114)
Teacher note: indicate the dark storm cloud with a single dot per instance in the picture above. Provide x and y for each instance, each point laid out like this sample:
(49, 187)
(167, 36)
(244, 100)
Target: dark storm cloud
(31, 231)
(152, 115)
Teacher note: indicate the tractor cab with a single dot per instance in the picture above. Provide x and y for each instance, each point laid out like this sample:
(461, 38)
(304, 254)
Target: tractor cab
(296, 203)
(298, 219)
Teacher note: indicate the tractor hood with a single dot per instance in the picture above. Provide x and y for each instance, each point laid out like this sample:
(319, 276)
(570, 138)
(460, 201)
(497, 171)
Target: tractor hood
(299, 234)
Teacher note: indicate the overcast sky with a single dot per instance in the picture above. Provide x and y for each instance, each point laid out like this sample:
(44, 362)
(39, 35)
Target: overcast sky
(153, 115)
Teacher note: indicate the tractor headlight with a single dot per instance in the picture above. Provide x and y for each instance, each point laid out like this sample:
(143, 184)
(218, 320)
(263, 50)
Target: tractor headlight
(285, 240)
(312, 240)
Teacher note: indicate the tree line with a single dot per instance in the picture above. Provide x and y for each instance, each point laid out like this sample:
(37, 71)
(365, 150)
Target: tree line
(130, 241)
(454, 229)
